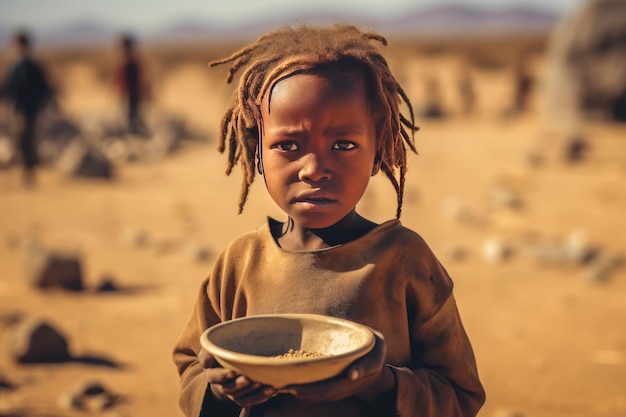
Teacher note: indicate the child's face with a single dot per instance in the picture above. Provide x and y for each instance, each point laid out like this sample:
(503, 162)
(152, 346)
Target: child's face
(318, 146)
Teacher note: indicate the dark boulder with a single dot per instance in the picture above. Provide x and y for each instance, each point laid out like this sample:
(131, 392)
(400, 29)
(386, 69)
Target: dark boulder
(50, 269)
(36, 341)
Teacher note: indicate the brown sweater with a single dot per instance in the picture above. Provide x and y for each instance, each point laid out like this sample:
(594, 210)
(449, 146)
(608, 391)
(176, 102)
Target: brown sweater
(388, 279)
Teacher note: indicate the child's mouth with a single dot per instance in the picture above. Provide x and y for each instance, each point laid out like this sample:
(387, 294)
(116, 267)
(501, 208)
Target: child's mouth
(314, 201)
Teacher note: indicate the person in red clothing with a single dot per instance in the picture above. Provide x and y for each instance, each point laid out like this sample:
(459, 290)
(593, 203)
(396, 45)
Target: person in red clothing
(131, 83)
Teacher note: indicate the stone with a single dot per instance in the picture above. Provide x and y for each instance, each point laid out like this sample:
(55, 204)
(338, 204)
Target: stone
(135, 237)
(455, 252)
(107, 284)
(70, 401)
(502, 197)
(199, 252)
(50, 269)
(601, 269)
(576, 149)
(457, 210)
(497, 250)
(88, 396)
(37, 341)
(534, 159)
(78, 160)
(116, 149)
(6, 384)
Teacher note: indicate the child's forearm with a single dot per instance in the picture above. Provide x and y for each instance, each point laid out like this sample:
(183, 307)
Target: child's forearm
(428, 394)
(193, 387)
(385, 382)
(445, 381)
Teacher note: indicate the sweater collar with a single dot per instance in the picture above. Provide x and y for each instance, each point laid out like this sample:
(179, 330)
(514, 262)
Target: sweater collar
(375, 233)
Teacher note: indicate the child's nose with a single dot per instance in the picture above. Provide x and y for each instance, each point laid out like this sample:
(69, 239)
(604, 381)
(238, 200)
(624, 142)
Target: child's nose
(314, 168)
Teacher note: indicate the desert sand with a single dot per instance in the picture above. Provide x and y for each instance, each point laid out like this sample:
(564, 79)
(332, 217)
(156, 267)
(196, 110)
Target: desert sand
(488, 193)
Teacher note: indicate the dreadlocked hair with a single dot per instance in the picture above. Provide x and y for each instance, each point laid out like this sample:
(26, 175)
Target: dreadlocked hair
(281, 53)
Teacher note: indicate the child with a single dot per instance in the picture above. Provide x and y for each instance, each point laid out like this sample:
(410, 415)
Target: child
(317, 114)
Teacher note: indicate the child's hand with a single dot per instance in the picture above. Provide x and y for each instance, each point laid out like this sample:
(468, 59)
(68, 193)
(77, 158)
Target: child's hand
(366, 378)
(236, 387)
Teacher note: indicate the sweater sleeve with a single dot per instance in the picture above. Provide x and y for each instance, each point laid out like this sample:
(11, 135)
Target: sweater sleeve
(445, 381)
(195, 397)
(9, 83)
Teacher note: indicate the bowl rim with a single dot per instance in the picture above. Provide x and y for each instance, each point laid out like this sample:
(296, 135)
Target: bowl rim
(258, 360)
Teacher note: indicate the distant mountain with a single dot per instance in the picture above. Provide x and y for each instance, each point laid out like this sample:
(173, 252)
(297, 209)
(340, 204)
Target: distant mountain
(190, 30)
(438, 20)
(463, 19)
(80, 32)
(434, 20)
(87, 31)
(517, 18)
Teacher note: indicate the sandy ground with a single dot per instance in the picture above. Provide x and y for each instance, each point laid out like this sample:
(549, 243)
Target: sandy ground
(549, 341)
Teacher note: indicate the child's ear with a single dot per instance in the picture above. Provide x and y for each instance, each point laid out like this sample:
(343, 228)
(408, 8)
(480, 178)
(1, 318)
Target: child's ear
(259, 162)
(259, 166)
(258, 156)
(377, 162)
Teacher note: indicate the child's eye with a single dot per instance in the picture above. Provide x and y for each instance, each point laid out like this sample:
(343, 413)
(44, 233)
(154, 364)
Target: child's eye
(343, 145)
(286, 146)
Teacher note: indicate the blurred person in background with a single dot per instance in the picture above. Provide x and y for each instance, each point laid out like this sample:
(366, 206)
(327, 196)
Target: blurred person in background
(524, 82)
(466, 89)
(27, 87)
(131, 83)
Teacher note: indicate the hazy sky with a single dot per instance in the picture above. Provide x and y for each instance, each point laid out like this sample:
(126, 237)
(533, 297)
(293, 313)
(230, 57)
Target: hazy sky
(147, 14)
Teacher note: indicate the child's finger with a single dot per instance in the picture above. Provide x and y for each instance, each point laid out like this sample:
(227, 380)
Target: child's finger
(206, 359)
(324, 390)
(240, 384)
(221, 376)
(258, 395)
